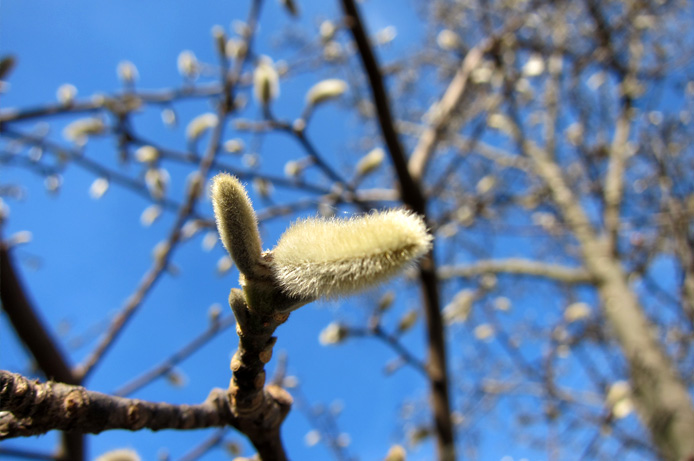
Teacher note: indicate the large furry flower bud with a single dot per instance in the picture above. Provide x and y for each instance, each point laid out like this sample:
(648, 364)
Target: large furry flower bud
(331, 257)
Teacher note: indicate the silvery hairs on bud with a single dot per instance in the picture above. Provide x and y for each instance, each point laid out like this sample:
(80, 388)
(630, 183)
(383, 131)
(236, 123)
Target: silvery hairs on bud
(236, 222)
(332, 257)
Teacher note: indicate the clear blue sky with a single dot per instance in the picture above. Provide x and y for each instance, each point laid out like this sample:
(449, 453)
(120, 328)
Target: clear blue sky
(87, 255)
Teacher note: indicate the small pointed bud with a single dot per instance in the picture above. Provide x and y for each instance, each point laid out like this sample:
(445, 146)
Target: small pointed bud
(220, 39)
(448, 40)
(66, 94)
(266, 81)
(396, 453)
(98, 188)
(577, 312)
(236, 222)
(408, 321)
(371, 161)
(188, 64)
(127, 72)
(150, 214)
(331, 257)
(122, 454)
(484, 332)
(334, 333)
(326, 90)
(200, 124)
(79, 130)
(327, 31)
(147, 154)
(157, 180)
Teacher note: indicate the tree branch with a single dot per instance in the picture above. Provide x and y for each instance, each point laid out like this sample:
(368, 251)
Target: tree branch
(517, 266)
(32, 408)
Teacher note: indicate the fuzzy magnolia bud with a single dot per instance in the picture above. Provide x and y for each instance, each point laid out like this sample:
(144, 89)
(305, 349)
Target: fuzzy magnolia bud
(236, 222)
(371, 161)
(326, 90)
(266, 81)
(331, 257)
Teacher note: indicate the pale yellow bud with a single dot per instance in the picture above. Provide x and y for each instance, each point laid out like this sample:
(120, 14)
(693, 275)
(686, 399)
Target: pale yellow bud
(66, 94)
(119, 455)
(618, 399)
(386, 35)
(127, 72)
(98, 188)
(234, 146)
(220, 39)
(224, 264)
(576, 312)
(458, 310)
(534, 66)
(236, 222)
(396, 453)
(266, 81)
(332, 51)
(200, 124)
(157, 180)
(331, 257)
(484, 332)
(326, 90)
(168, 116)
(448, 40)
(188, 64)
(150, 214)
(371, 161)
(408, 320)
(147, 154)
(334, 333)
(327, 30)
(79, 130)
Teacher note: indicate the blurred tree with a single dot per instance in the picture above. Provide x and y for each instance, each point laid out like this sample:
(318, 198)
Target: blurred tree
(548, 145)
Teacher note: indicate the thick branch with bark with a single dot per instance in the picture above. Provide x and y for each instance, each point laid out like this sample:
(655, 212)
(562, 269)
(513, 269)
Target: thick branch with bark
(31, 408)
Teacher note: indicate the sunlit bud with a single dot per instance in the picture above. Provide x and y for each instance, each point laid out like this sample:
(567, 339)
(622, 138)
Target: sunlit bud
(343, 440)
(386, 301)
(195, 183)
(448, 40)
(488, 282)
(200, 124)
(210, 240)
(484, 332)
(236, 49)
(325, 90)
(290, 6)
(188, 64)
(161, 250)
(220, 39)
(534, 66)
(334, 333)
(500, 122)
(190, 228)
(502, 304)
(122, 454)
(618, 399)
(168, 116)
(98, 188)
(292, 168)
(236, 222)
(481, 75)
(576, 312)
(18, 238)
(396, 453)
(234, 146)
(312, 438)
(262, 187)
(327, 30)
(53, 182)
(250, 160)
(408, 320)
(299, 125)
(332, 257)
(485, 184)
(147, 154)
(127, 72)
(371, 161)
(214, 313)
(157, 180)
(386, 35)
(266, 83)
(240, 28)
(79, 130)
(458, 310)
(290, 382)
(150, 214)
(66, 94)
(224, 264)
(332, 51)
